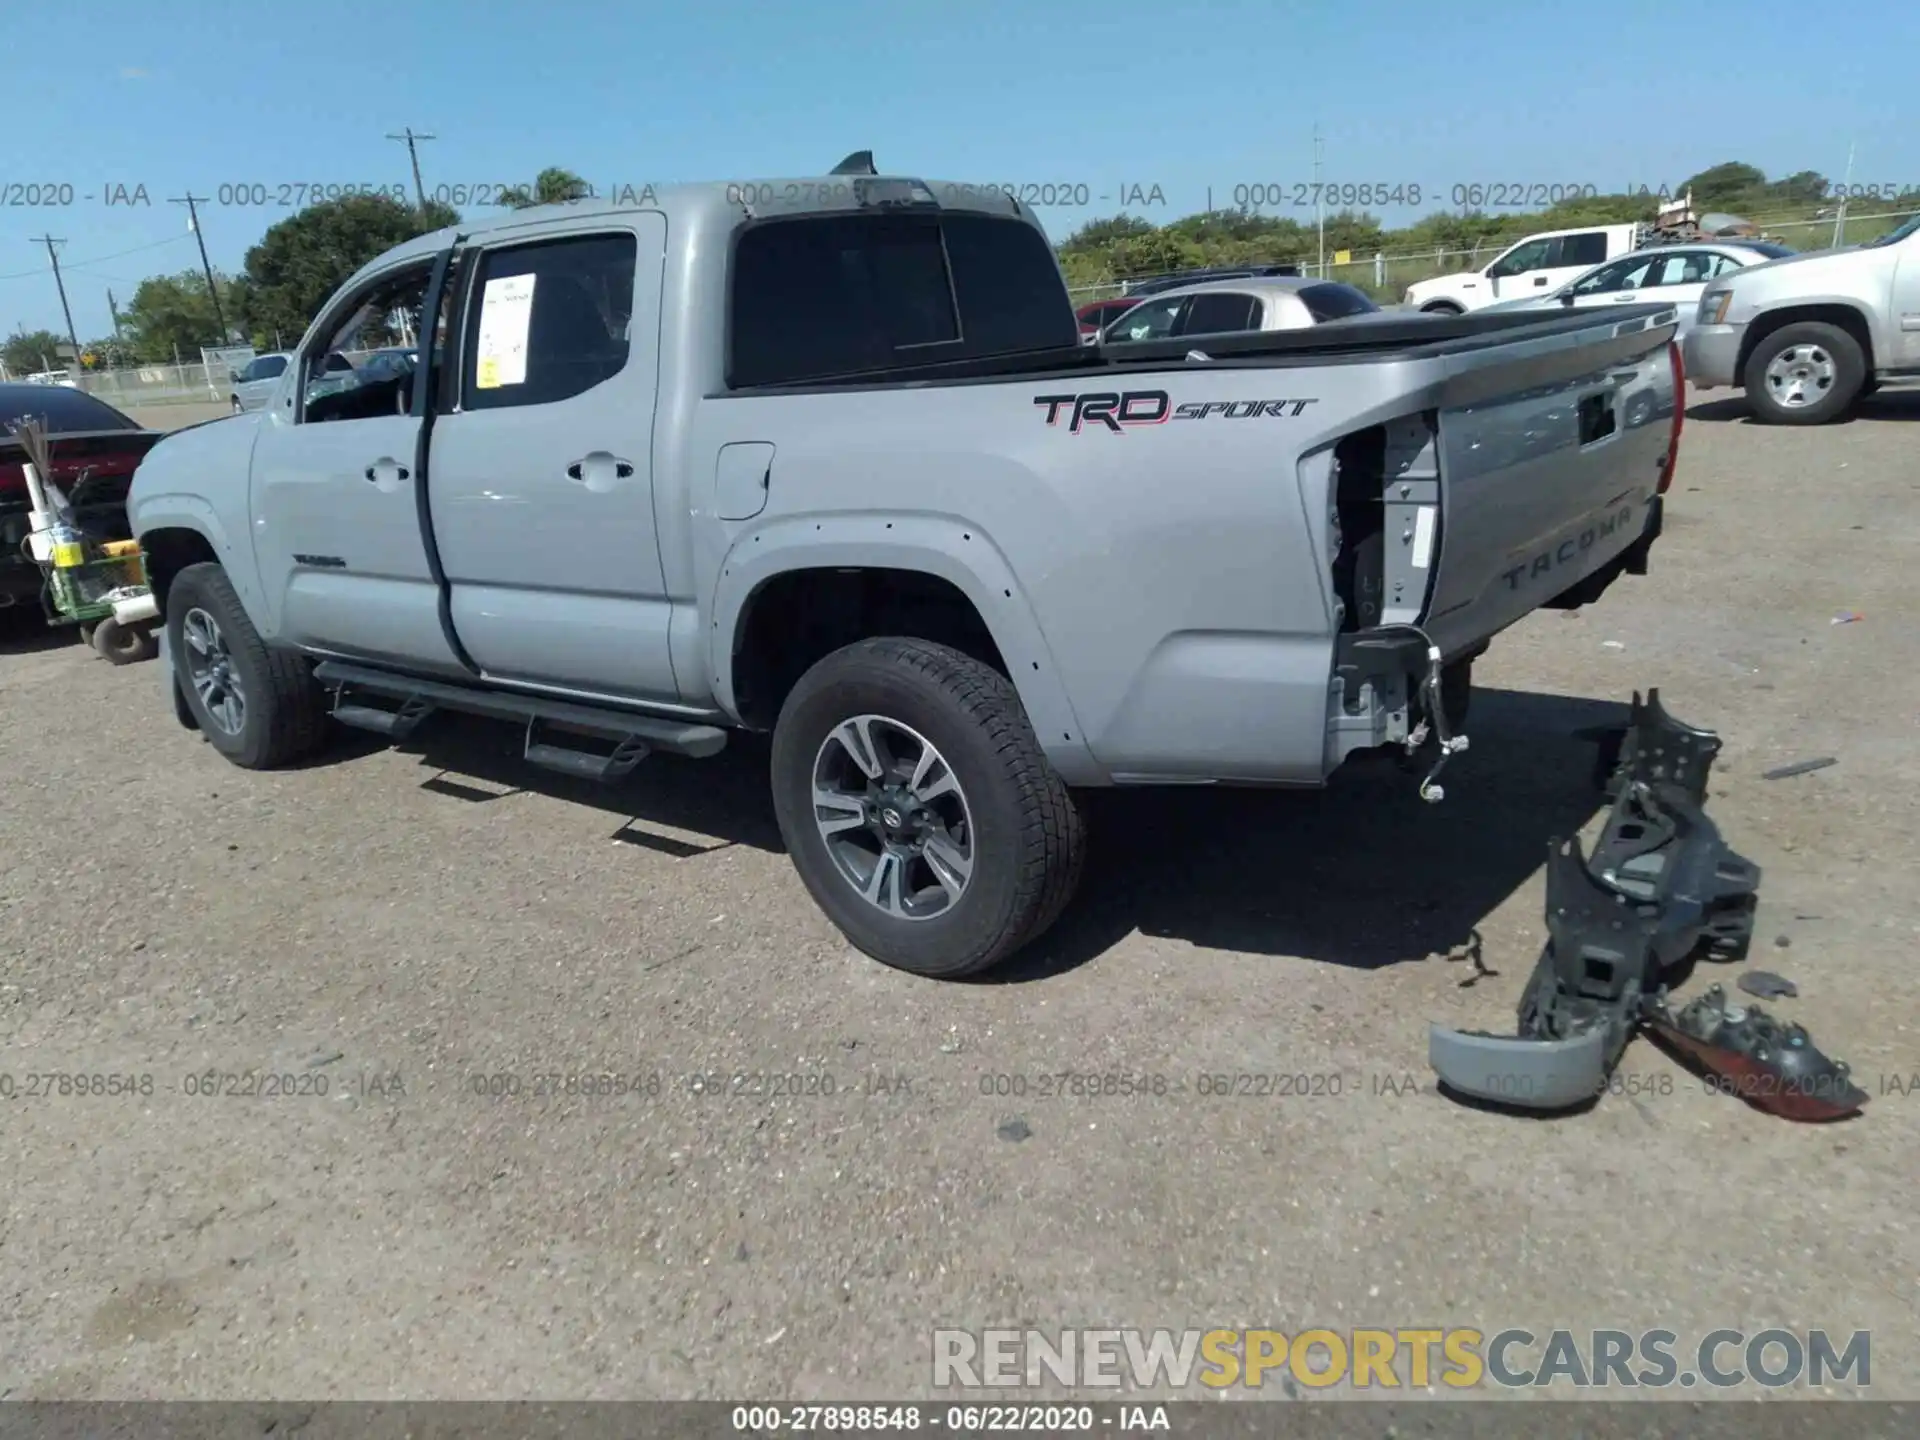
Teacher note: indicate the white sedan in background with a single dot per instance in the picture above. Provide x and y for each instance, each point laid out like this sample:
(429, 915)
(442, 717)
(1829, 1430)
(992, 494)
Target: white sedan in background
(1669, 274)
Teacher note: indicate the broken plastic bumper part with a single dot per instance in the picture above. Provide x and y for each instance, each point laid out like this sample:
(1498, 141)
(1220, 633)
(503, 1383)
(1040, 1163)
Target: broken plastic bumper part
(1660, 887)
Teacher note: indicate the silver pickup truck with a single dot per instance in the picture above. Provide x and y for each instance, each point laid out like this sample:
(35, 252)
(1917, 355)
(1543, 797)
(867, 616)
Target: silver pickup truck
(1807, 336)
(826, 458)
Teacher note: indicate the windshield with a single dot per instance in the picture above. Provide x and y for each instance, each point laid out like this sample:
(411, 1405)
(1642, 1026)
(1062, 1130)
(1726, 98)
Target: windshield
(1894, 237)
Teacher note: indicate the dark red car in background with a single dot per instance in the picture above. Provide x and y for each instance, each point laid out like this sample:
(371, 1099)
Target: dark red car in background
(1096, 315)
(94, 450)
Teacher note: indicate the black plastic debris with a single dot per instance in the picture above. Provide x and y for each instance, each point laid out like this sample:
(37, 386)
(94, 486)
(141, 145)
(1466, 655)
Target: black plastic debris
(1767, 985)
(1799, 767)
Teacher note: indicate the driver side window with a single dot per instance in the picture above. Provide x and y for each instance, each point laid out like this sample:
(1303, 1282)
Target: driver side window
(1530, 256)
(1151, 320)
(386, 312)
(1627, 275)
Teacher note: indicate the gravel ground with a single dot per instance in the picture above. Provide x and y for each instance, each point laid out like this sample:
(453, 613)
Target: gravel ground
(405, 922)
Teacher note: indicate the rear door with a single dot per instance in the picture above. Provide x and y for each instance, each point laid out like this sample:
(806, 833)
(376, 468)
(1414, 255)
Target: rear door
(541, 483)
(1572, 255)
(1680, 278)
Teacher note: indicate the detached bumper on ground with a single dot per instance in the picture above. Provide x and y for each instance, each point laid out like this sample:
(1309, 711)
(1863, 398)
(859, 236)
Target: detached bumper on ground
(1661, 887)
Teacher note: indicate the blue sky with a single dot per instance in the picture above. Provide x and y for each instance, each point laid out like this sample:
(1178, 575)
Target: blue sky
(212, 93)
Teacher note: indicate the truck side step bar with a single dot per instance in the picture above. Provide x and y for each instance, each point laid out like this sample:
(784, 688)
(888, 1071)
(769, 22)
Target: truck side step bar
(634, 736)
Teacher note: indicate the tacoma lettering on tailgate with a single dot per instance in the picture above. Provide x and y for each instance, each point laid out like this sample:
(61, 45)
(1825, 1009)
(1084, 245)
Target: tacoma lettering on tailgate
(1570, 549)
(1117, 409)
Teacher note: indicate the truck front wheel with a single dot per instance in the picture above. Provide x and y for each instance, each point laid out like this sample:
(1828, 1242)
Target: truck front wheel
(919, 808)
(257, 705)
(1804, 374)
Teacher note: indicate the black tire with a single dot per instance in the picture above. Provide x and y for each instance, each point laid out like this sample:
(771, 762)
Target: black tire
(1442, 308)
(119, 644)
(284, 712)
(237, 407)
(1024, 830)
(1828, 348)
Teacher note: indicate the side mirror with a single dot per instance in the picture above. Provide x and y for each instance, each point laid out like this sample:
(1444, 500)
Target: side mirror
(1566, 297)
(234, 376)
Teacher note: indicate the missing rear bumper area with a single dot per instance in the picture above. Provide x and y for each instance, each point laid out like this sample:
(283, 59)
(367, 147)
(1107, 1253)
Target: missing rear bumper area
(1660, 889)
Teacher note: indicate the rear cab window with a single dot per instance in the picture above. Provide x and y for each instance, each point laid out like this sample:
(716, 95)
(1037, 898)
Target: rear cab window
(62, 411)
(820, 298)
(1335, 302)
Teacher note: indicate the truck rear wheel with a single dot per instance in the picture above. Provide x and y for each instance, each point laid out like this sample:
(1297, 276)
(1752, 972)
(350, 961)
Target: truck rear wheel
(1804, 374)
(919, 808)
(1442, 308)
(257, 705)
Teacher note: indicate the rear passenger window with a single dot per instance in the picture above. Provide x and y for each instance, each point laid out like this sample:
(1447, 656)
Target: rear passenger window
(1215, 314)
(1586, 249)
(827, 297)
(547, 321)
(1334, 301)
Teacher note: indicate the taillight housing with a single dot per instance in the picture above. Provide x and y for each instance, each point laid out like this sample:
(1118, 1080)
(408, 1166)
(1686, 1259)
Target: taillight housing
(1679, 415)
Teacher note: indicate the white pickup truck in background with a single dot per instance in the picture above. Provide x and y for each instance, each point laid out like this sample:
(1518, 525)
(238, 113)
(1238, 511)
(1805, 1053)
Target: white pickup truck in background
(1533, 266)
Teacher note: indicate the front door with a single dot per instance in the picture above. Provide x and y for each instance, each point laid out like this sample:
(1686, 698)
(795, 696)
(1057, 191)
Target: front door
(336, 519)
(541, 481)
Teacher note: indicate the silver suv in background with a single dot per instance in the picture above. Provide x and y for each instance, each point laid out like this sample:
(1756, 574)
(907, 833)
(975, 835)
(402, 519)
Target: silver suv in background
(254, 386)
(1808, 336)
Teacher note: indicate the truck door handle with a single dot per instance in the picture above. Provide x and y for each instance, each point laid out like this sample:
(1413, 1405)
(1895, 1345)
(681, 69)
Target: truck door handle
(389, 465)
(1539, 279)
(599, 460)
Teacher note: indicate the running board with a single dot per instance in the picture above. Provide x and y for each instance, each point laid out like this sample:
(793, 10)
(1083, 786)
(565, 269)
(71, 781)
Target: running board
(633, 736)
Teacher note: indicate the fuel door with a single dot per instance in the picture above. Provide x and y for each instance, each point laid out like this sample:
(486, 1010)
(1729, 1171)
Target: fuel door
(741, 476)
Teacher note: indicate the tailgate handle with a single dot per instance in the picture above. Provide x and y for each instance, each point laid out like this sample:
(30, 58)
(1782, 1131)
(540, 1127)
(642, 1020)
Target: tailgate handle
(1596, 417)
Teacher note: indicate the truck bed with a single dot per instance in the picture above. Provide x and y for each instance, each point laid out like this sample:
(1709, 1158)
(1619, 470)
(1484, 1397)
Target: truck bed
(1391, 337)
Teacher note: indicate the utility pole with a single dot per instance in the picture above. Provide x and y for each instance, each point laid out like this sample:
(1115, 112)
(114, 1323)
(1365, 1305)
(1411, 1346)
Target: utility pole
(1840, 220)
(413, 154)
(114, 309)
(1319, 205)
(193, 223)
(50, 241)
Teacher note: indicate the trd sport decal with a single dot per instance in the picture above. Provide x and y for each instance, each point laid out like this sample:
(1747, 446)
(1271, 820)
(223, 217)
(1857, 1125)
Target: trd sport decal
(1118, 409)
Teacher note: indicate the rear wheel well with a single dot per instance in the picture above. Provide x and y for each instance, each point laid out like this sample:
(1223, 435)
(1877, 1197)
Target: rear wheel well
(1844, 316)
(797, 619)
(167, 553)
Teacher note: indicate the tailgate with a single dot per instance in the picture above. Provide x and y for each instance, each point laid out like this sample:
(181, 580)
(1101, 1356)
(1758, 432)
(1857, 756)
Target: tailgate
(1550, 452)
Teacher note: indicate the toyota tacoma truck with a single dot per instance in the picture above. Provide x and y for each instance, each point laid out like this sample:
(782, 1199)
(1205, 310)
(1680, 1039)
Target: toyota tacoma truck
(825, 458)
(1808, 336)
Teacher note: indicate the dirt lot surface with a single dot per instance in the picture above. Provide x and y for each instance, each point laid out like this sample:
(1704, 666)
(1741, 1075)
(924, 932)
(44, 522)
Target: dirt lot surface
(404, 924)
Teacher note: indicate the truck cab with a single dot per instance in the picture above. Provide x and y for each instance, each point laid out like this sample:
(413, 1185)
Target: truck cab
(1537, 265)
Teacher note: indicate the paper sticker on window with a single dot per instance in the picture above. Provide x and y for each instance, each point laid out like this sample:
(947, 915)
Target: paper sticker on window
(506, 310)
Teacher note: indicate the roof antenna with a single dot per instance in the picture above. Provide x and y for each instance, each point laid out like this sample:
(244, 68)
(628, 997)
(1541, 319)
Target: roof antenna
(860, 162)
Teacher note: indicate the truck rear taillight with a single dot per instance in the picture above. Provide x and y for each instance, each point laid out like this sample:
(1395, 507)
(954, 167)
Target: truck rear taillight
(1679, 415)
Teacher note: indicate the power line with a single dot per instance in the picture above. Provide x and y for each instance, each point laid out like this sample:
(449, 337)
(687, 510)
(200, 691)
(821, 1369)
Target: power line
(97, 260)
(65, 309)
(413, 154)
(193, 218)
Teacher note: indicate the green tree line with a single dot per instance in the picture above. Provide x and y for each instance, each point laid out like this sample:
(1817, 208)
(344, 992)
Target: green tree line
(303, 259)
